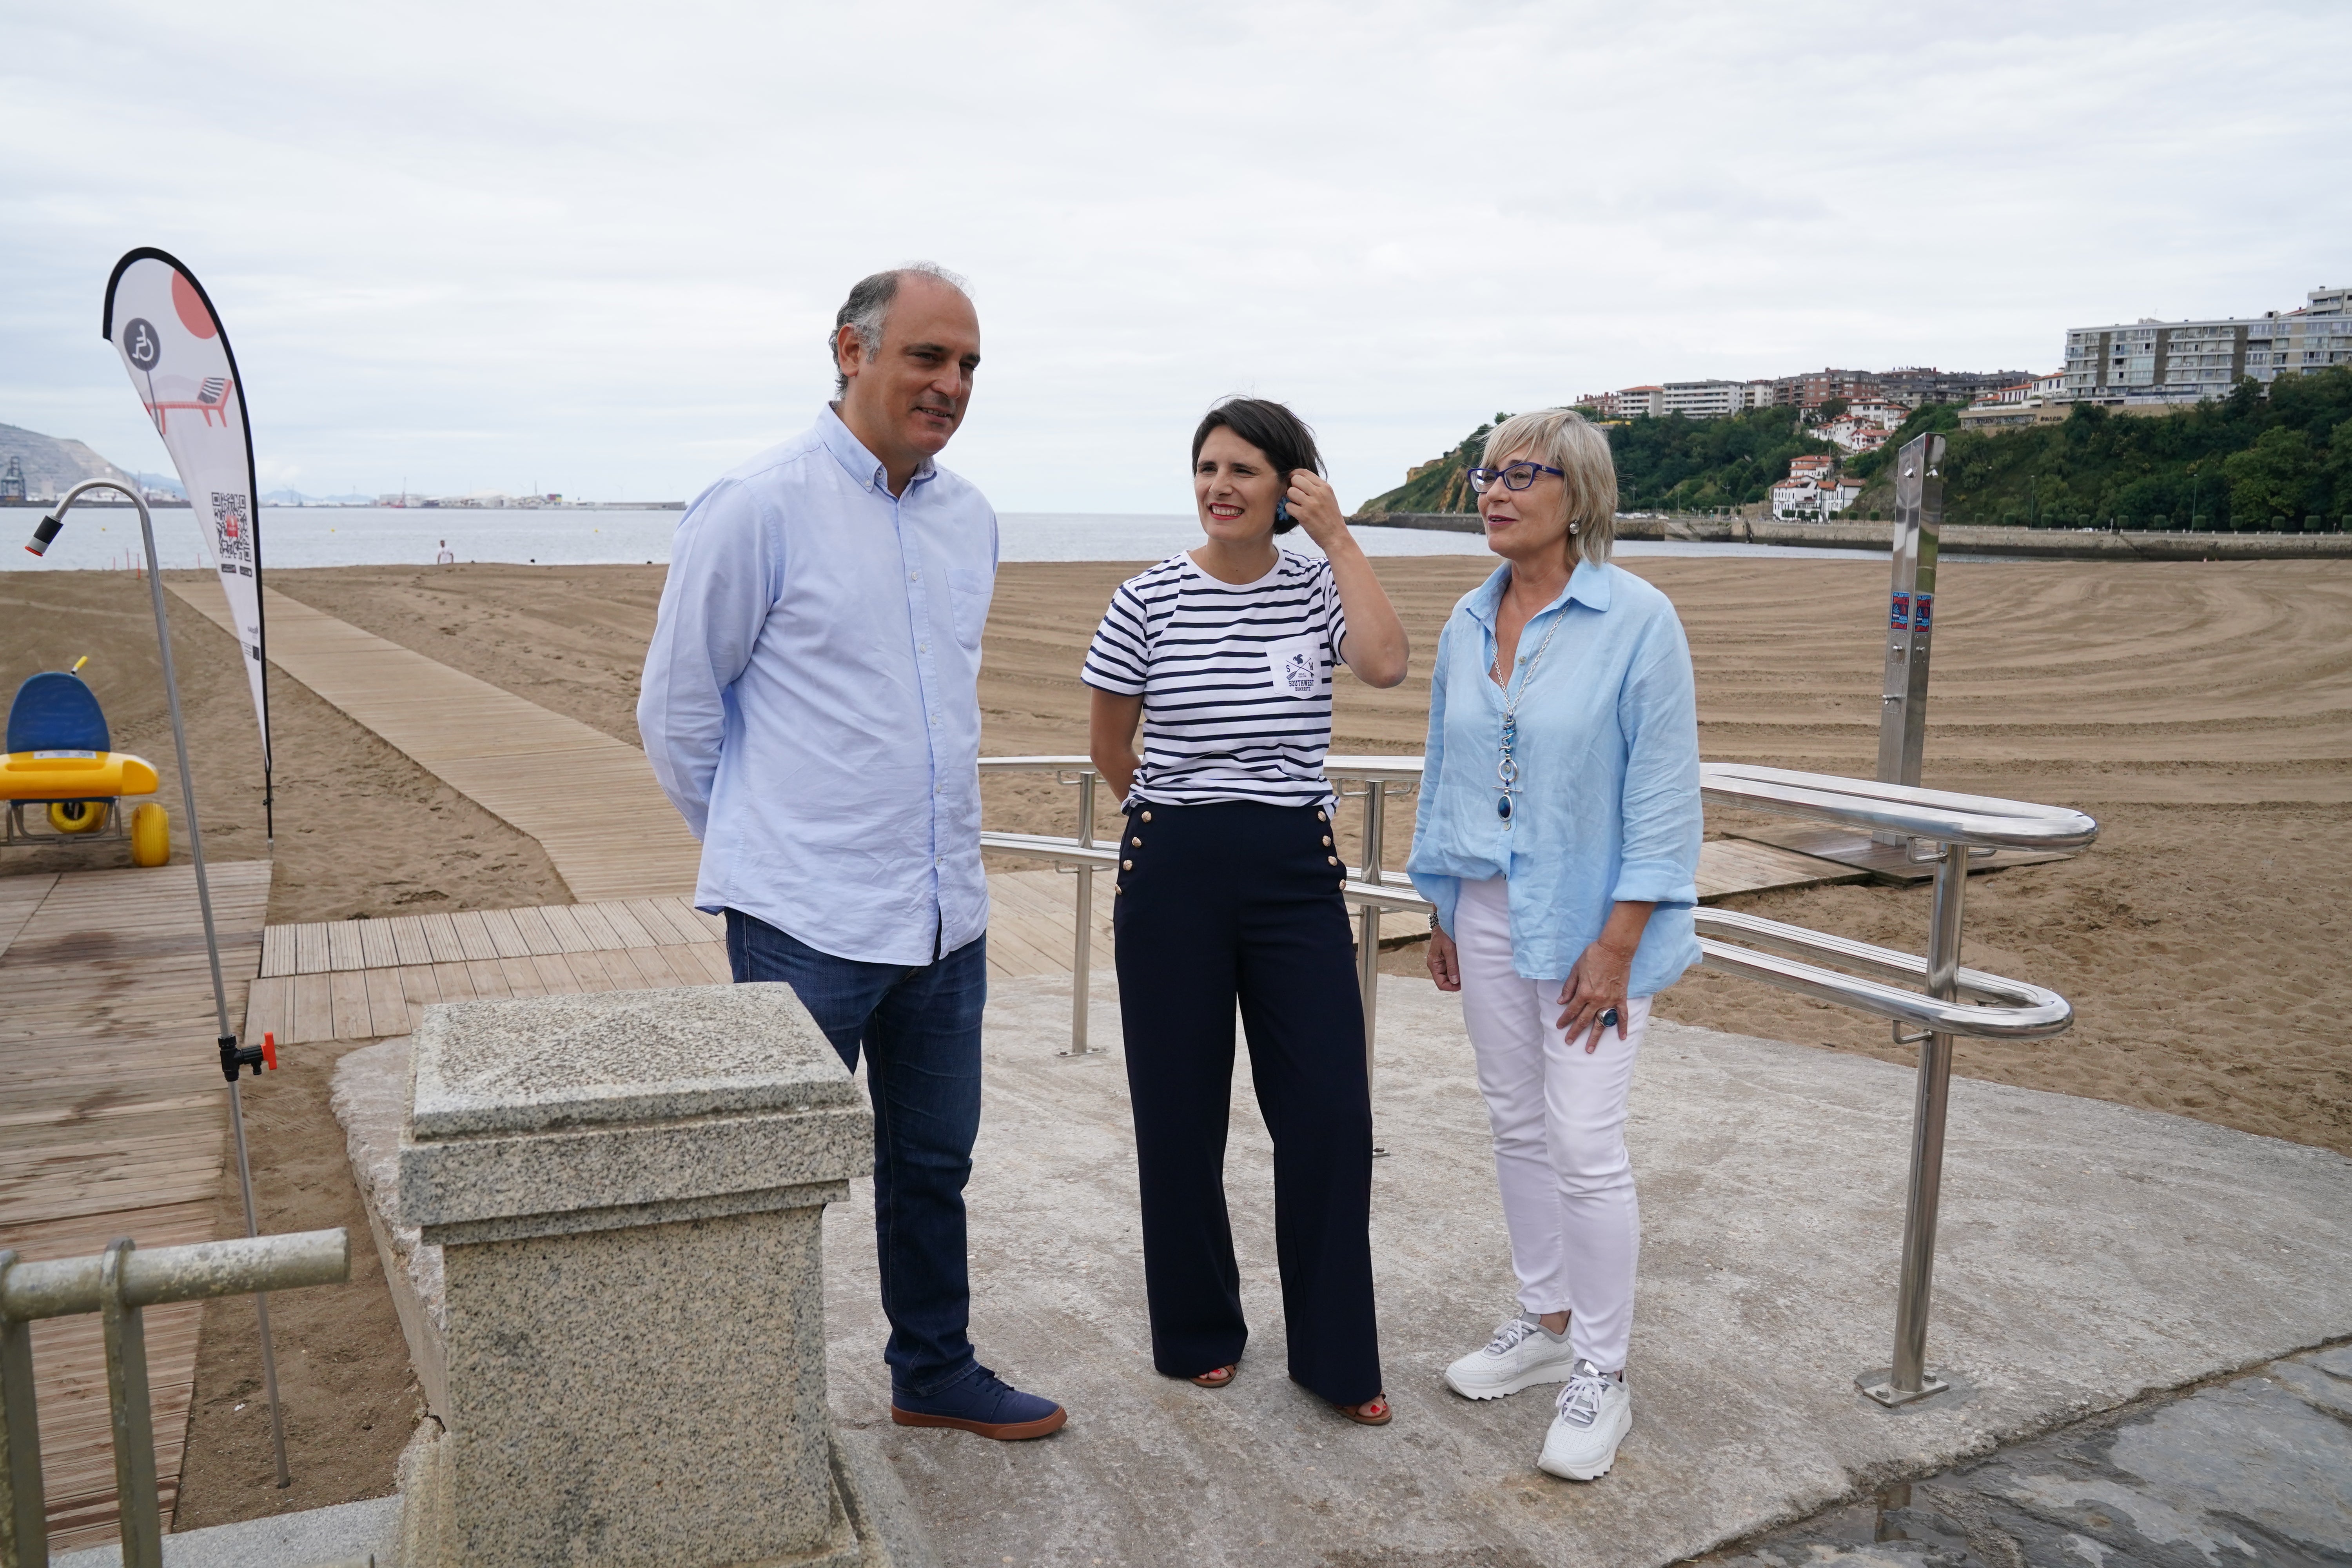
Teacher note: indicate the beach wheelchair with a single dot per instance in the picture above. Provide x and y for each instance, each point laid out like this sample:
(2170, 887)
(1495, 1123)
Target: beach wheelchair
(61, 757)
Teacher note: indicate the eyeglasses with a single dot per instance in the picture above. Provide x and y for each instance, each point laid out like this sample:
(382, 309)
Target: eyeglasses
(1518, 477)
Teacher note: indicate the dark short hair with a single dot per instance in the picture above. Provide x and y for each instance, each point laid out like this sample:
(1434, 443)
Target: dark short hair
(868, 306)
(1273, 429)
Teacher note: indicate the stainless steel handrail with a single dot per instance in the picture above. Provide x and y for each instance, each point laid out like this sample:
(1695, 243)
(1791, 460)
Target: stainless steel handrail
(2017, 1011)
(1936, 816)
(119, 1284)
(1368, 889)
(1949, 1001)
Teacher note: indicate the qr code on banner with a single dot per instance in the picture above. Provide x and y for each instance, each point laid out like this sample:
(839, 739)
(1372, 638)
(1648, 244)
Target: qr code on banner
(233, 526)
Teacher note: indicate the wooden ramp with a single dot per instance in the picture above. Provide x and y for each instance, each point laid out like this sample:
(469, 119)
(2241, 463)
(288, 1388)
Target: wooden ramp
(1729, 865)
(590, 800)
(1868, 860)
(113, 1121)
(363, 980)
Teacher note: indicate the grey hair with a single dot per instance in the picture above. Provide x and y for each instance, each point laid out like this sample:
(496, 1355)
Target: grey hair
(1559, 439)
(868, 306)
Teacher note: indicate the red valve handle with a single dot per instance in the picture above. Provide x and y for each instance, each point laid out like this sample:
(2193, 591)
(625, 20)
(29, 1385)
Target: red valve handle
(269, 1049)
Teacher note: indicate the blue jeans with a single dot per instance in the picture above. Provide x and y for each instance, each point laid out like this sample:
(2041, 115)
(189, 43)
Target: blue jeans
(919, 1026)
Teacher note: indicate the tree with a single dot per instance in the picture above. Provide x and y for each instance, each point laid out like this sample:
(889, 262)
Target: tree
(2271, 480)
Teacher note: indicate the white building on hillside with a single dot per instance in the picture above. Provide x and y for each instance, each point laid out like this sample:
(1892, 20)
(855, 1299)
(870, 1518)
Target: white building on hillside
(1703, 399)
(1813, 489)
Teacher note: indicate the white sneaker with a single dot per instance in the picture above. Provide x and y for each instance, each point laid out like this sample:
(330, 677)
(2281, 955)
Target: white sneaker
(1595, 1414)
(1522, 1353)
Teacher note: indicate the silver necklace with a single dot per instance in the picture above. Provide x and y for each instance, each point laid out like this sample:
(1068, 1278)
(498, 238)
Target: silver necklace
(1506, 766)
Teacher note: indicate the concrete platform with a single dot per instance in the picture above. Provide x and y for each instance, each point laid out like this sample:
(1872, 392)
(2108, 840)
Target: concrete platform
(2090, 1254)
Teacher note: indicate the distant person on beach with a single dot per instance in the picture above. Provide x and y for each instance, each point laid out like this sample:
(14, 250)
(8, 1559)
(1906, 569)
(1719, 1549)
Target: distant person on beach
(1229, 891)
(1557, 836)
(811, 704)
(445, 558)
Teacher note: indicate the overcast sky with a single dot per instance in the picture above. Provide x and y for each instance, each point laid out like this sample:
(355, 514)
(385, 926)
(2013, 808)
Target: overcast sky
(596, 248)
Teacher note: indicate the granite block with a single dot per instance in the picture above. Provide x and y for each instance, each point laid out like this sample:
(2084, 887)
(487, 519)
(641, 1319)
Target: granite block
(626, 1194)
(648, 1396)
(551, 1062)
(495, 1177)
(370, 1101)
(645, 1106)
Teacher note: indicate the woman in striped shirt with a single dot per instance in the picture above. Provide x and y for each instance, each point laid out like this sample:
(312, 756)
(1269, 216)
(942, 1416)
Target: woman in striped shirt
(1229, 891)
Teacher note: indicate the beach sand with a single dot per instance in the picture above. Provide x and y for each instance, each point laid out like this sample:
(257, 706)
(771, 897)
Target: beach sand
(2204, 713)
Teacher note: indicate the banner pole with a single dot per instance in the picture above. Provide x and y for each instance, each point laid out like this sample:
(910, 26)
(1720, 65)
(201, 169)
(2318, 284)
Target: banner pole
(212, 950)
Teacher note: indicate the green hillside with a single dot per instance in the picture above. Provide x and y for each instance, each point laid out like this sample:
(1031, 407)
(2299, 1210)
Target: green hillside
(2247, 462)
(1677, 463)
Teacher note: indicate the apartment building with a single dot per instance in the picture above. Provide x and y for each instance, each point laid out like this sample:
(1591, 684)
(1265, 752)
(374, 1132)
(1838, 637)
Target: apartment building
(1703, 399)
(2187, 361)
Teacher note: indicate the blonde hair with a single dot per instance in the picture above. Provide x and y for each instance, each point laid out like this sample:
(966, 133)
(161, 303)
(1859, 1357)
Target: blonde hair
(1559, 439)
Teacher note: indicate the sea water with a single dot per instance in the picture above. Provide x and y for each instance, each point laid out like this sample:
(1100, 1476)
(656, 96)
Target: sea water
(98, 538)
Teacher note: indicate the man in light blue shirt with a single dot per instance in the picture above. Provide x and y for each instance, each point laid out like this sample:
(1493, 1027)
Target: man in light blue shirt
(811, 705)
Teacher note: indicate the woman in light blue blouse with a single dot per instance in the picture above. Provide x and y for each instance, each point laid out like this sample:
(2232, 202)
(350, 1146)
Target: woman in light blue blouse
(1557, 836)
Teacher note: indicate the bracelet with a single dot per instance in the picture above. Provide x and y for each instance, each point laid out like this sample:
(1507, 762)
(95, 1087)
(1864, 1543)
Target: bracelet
(1432, 922)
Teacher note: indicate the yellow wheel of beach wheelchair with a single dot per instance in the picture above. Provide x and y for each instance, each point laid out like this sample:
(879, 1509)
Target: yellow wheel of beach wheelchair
(78, 816)
(150, 835)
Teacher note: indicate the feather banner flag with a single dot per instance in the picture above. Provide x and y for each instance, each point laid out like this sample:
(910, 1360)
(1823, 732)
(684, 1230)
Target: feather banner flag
(159, 318)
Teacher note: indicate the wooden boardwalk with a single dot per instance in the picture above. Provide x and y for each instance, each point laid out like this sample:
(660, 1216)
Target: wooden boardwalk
(113, 1121)
(590, 800)
(362, 980)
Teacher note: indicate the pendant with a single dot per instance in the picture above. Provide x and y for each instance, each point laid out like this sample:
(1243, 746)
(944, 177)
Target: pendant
(1503, 807)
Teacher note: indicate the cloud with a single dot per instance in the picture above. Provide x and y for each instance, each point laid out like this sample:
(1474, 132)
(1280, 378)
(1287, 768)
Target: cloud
(600, 248)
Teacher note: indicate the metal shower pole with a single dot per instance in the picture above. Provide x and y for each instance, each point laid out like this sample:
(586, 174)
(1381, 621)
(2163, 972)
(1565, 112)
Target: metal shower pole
(232, 1058)
(1910, 620)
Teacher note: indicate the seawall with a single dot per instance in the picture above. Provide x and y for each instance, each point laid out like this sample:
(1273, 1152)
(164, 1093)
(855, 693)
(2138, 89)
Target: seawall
(1958, 539)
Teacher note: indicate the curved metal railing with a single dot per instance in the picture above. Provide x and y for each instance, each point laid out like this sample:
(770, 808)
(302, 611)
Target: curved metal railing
(1931, 992)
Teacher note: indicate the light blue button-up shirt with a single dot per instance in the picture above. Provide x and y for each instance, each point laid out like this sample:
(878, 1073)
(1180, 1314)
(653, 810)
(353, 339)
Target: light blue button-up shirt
(811, 700)
(1607, 805)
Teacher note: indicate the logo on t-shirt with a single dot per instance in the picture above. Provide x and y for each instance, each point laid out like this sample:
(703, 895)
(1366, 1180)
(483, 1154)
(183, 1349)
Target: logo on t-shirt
(1296, 666)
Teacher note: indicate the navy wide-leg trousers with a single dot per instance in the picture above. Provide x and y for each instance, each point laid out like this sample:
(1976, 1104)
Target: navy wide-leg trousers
(1241, 902)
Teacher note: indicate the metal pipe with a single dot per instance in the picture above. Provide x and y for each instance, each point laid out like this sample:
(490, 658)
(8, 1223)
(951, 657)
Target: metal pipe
(24, 1510)
(227, 1037)
(130, 1415)
(151, 1278)
(1918, 525)
(1917, 1278)
(1082, 955)
(1938, 815)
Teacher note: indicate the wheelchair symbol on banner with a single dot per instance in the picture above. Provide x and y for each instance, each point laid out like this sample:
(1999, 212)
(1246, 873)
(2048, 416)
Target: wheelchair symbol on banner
(141, 347)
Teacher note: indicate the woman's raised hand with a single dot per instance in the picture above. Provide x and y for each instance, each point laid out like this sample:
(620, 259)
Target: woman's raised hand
(1316, 505)
(1595, 986)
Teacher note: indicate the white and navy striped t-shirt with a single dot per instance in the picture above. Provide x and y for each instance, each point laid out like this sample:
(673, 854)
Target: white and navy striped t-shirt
(1235, 679)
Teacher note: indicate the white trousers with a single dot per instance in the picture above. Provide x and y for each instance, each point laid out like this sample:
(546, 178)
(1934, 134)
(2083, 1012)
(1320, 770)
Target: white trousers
(1559, 1120)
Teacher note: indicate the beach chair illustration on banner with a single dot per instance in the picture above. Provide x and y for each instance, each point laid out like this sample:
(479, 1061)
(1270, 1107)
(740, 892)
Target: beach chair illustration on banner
(208, 397)
(61, 757)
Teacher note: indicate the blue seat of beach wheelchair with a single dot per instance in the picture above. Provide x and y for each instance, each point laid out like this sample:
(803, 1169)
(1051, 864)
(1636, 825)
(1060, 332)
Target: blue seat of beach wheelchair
(54, 711)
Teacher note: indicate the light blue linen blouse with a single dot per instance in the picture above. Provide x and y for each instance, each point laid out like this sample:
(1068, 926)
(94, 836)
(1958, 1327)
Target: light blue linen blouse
(1607, 806)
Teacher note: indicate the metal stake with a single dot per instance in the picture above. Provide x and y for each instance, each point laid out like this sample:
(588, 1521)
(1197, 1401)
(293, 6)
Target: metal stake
(1368, 939)
(24, 1511)
(1910, 622)
(132, 1416)
(212, 938)
(1082, 955)
(1910, 1377)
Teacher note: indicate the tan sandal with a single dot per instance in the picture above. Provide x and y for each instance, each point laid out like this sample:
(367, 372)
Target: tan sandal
(1218, 1376)
(1372, 1411)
